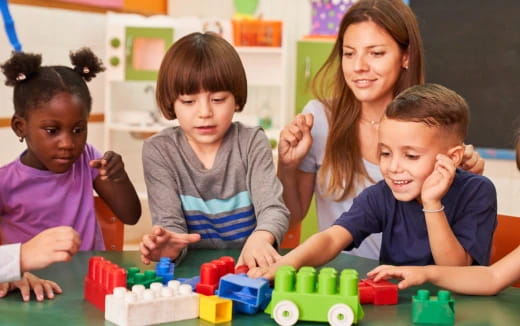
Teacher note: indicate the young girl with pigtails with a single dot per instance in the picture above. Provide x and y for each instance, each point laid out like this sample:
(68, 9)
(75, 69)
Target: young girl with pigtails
(51, 183)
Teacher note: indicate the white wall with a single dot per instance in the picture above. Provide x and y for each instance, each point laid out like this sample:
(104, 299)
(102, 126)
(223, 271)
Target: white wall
(54, 32)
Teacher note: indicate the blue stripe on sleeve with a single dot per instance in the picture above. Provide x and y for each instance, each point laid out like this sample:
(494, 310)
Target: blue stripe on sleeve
(235, 236)
(216, 206)
(224, 229)
(220, 220)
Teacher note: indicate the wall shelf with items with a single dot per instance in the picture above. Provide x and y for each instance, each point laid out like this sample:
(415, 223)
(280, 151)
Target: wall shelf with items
(135, 47)
(266, 70)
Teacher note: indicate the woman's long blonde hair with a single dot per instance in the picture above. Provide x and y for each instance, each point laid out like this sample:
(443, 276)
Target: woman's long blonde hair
(342, 164)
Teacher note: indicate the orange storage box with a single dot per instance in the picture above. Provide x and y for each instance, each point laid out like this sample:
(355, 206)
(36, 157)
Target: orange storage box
(257, 32)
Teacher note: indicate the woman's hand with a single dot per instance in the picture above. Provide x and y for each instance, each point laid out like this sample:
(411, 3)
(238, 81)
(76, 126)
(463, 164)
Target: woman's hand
(472, 161)
(295, 140)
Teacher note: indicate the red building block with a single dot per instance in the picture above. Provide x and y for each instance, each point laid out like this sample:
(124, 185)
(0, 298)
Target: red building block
(210, 274)
(378, 293)
(103, 276)
(241, 269)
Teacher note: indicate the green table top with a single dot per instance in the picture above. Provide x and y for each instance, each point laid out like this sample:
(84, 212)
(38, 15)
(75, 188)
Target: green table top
(70, 308)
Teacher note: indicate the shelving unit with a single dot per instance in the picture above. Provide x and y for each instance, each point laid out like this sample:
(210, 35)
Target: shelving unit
(267, 96)
(131, 114)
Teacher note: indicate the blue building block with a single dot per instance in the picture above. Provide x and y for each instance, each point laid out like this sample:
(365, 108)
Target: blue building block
(165, 269)
(249, 295)
(190, 281)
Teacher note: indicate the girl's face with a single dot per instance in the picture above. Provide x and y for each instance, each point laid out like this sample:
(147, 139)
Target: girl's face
(55, 133)
(372, 62)
(205, 117)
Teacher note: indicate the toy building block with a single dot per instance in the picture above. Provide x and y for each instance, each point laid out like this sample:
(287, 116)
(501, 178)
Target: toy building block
(241, 269)
(210, 274)
(433, 310)
(215, 309)
(102, 277)
(378, 293)
(310, 297)
(192, 281)
(146, 278)
(249, 295)
(165, 268)
(158, 304)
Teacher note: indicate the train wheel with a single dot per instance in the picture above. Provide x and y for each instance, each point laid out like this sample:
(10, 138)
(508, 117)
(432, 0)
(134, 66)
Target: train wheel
(340, 315)
(286, 313)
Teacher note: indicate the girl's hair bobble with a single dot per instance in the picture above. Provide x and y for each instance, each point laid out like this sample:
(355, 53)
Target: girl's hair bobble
(21, 76)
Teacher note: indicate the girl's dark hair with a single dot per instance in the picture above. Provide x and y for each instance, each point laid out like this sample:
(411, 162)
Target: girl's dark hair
(35, 84)
(196, 62)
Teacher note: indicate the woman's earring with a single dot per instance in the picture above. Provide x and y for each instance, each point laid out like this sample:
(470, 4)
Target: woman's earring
(21, 139)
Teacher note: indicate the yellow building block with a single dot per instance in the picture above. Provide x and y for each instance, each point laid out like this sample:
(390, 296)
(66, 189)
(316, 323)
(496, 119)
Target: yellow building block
(215, 309)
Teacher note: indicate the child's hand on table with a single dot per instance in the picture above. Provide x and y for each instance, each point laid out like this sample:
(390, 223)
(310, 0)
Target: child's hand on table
(163, 243)
(409, 275)
(258, 251)
(267, 272)
(41, 288)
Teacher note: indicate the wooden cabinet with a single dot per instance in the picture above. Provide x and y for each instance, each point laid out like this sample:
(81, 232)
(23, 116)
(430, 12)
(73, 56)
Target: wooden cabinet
(311, 54)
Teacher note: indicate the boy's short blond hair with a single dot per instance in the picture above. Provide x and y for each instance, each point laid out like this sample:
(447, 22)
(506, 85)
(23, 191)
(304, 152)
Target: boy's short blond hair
(434, 105)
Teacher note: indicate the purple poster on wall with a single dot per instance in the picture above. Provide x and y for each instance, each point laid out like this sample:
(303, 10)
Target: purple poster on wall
(327, 14)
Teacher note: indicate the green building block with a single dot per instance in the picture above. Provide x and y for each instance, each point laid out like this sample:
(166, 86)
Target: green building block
(146, 278)
(311, 296)
(433, 310)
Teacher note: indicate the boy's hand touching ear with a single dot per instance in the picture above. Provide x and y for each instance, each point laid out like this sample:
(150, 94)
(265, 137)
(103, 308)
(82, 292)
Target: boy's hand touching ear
(110, 167)
(438, 183)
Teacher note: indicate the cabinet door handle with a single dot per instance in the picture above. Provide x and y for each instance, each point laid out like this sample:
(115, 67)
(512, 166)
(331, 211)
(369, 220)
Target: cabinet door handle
(128, 51)
(307, 72)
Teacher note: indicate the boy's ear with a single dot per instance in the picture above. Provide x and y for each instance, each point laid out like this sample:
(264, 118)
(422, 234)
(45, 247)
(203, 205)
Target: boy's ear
(456, 154)
(18, 125)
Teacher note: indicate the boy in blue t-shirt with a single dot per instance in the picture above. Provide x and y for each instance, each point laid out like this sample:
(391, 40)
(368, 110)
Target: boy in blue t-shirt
(428, 211)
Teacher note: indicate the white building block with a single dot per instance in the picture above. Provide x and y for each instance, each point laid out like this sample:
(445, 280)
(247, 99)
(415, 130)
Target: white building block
(159, 304)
